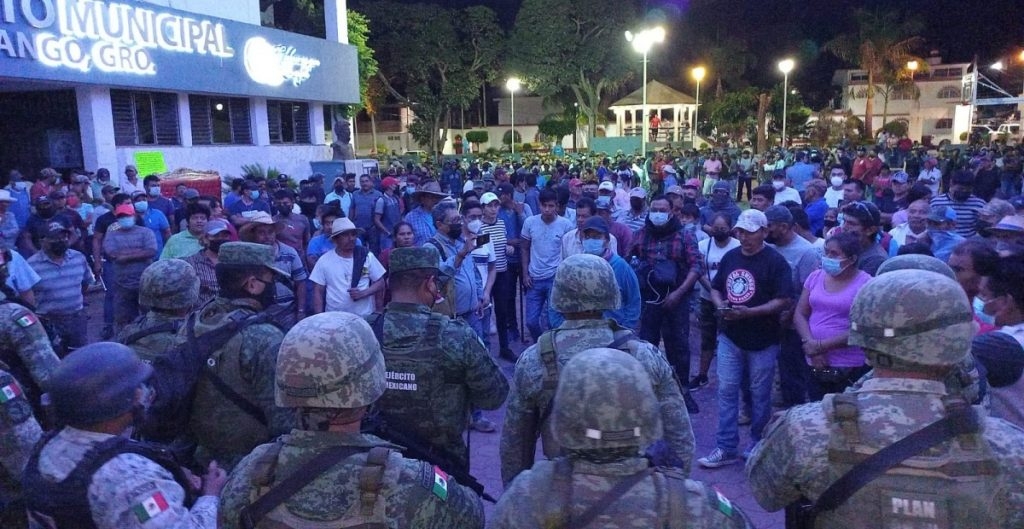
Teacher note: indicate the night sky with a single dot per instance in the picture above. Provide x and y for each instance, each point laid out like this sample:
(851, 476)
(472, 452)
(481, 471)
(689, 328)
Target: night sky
(774, 29)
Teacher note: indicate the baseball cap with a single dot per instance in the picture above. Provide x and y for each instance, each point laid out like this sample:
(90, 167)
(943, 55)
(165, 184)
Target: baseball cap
(1012, 223)
(110, 189)
(388, 181)
(487, 198)
(124, 209)
(674, 190)
(752, 220)
(575, 182)
(607, 185)
(669, 169)
(215, 226)
(900, 177)
(638, 192)
(942, 214)
(692, 183)
(865, 213)
(720, 186)
(603, 202)
(596, 224)
(191, 193)
(779, 214)
(506, 188)
(57, 194)
(54, 229)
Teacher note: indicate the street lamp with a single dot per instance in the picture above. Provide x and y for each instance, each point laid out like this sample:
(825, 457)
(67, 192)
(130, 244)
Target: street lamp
(642, 43)
(785, 66)
(698, 75)
(575, 123)
(513, 84)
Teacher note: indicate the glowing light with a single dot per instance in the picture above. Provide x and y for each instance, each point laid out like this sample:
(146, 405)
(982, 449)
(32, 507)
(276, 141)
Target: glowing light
(272, 65)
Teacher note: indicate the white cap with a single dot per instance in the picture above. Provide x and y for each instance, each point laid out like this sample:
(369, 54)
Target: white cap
(752, 220)
(607, 185)
(487, 198)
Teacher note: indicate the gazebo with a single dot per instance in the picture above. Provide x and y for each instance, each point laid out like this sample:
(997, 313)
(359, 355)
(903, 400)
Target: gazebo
(674, 108)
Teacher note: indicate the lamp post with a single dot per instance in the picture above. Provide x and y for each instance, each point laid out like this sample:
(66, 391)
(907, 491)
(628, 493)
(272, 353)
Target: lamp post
(785, 66)
(642, 43)
(513, 84)
(575, 123)
(698, 75)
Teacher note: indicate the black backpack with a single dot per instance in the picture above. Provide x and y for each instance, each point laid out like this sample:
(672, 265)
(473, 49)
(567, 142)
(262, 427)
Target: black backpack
(176, 373)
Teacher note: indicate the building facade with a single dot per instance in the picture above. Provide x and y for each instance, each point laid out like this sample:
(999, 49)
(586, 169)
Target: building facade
(194, 84)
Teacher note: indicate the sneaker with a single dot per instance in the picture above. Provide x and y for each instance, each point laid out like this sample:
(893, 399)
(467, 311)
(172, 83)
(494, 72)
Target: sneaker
(717, 458)
(698, 382)
(744, 417)
(482, 424)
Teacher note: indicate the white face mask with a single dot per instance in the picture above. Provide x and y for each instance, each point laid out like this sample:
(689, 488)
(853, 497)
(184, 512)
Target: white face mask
(474, 226)
(779, 185)
(837, 182)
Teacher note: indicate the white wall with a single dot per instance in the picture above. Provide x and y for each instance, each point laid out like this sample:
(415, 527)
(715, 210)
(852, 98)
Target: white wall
(247, 11)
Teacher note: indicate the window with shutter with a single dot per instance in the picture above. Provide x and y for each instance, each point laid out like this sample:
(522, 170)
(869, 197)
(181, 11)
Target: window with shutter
(144, 118)
(220, 120)
(289, 122)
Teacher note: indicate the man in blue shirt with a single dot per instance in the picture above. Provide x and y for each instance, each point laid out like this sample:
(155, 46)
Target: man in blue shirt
(421, 218)
(247, 205)
(801, 172)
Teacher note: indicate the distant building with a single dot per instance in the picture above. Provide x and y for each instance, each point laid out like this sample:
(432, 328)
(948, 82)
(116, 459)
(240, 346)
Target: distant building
(927, 110)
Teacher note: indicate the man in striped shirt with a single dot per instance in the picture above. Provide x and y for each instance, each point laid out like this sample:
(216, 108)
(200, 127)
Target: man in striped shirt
(503, 293)
(63, 277)
(966, 205)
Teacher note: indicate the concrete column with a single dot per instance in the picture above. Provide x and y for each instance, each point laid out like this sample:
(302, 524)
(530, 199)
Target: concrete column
(184, 121)
(316, 124)
(96, 128)
(258, 119)
(336, 19)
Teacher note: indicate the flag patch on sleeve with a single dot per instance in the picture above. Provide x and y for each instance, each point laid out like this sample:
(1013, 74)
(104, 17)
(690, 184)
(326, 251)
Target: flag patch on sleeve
(150, 507)
(724, 505)
(440, 488)
(9, 392)
(27, 320)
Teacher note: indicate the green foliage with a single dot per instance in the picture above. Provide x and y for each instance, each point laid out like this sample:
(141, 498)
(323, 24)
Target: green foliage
(574, 49)
(526, 147)
(256, 170)
(506, 138)
(492, 151)
(898, 128)
(478, 136)
(829, 130)
(555, 127)
(455, 52)
(734, 114)
(358, 36)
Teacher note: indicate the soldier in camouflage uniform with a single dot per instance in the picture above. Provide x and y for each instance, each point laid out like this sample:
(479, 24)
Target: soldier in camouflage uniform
(915, 326)
(584, 287)
(605, 411)
(437, 367)
(24, 346)
(19, 433)
(89, 474)
(169, 288)
(234, 414)
(329, 372)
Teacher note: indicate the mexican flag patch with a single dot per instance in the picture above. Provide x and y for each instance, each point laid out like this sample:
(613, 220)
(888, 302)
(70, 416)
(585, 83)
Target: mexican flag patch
(27, 320)
(150, 507)
(440, 488)
(9, 392)
(724, 505)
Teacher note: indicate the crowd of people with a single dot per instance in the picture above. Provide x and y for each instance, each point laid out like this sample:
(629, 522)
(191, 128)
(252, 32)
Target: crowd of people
(302, 333)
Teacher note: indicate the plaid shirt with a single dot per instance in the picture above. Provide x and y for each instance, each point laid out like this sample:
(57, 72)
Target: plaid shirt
(422, 223)
(679, 246)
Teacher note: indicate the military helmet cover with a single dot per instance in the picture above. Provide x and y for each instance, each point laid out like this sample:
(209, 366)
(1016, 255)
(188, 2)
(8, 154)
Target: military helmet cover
(405, 259)
(249, 254)
(583, 283)
(330, 360)
(605, 400)
(169, 284)
(913, 318)
(916, 262)
(96, 383)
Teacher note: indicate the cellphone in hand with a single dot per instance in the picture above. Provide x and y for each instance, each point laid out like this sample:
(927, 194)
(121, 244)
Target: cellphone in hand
(483, 239)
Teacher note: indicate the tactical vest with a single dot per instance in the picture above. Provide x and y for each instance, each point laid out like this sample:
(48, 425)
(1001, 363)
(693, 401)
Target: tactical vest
(153, 341)
(953, 485)
(414, 377)
(369, 512)
(66, 503)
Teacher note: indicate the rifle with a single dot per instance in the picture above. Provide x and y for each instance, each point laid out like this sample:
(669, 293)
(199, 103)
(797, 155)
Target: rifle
(415, 448)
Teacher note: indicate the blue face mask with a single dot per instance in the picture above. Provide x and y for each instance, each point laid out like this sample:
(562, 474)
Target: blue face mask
(658, 218)
(593, 246)
(141, 206)
(254, 194)
(317, 224)
(832, 266)
(126, 222)
(979, 312)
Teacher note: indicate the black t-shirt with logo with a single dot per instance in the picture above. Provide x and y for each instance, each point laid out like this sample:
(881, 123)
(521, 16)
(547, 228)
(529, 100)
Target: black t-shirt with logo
(751, 281)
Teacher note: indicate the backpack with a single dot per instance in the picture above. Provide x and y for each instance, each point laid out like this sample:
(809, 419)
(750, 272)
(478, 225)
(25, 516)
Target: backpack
(176, 373)
(146, 353)
(268, 512)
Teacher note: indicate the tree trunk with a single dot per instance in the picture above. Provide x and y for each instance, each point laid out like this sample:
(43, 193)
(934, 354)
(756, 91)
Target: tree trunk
(763, 101)
(373, 131)
(885, 107)
(869, 107)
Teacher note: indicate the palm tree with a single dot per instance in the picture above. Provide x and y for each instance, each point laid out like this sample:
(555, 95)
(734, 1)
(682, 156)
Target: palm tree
(882, 44)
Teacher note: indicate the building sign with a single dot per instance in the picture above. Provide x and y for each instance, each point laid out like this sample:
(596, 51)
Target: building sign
(139, 45)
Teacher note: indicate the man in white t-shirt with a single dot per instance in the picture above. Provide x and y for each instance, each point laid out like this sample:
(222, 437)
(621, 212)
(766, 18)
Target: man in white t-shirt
(335, 279)
(930, 174)
(711, 251)
(836, 177)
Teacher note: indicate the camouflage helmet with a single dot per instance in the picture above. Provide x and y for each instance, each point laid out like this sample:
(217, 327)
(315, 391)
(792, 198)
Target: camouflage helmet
(605, 400)
(169, 284)
(912, 318)
(583, 283)
(96, 383)
(330, 360)
(916, 262)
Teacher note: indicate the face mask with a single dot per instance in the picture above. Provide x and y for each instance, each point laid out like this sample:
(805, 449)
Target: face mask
(779, 185)
(658, 218)
(254, 194)
(58, 247)
(307, 208)
(840, 219)
(317, 224)
(74, 202)
(829, 224)
(475, 225)
(154, 191)
(284, 211)
(410, 189)
(44, 211)
(141, 206)
(832, 266)
(720, 236)
(268, 297)
(126, 222)
(214, 246)
(593, 246)
(837, 182)
(454, 231)
(979, 312)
